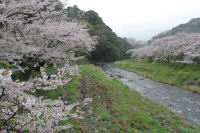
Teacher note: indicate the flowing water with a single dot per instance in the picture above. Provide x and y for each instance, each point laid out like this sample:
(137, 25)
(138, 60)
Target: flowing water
(184, 103)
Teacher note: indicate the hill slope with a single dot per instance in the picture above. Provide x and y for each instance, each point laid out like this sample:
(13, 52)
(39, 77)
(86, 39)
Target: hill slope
(110, 47)
(193, 26)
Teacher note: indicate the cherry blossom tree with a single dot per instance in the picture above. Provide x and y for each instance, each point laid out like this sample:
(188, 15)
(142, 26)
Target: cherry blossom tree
(40, 29)
(184, 45)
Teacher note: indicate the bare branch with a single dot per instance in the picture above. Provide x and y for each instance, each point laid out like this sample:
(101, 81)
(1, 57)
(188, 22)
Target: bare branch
(22, 13)
(3, 92)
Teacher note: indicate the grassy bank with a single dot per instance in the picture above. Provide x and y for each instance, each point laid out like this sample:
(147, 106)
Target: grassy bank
(116, 108)
(5, 64)
(179, 74)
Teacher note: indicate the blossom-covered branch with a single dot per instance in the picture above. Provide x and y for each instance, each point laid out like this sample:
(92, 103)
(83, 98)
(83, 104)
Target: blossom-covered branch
(21, 111)
(40, 29)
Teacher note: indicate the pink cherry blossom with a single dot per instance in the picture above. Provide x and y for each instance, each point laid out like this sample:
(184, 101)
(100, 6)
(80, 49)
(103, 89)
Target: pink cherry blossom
(38, 29)
(35, 28)
(37, 112)
(181, 44)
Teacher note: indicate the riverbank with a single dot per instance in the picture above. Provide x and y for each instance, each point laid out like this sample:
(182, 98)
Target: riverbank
(182, 75)
(185, 103)
(120, 109)
(113, 107)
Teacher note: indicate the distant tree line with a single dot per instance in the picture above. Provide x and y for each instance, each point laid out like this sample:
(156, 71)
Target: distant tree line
(135, 43)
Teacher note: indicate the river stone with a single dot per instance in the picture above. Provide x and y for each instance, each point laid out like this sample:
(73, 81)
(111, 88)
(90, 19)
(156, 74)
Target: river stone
(120, 76)
(111, 75)
(192, 81)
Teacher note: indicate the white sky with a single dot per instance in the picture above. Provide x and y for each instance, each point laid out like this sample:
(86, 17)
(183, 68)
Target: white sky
(141, 19)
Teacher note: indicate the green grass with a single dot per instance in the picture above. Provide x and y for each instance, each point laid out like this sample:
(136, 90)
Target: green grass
(70, 91)
(50, 70)
(102, 112)
(5, 64)
(50, 94)
(116, 108)
(177, 74)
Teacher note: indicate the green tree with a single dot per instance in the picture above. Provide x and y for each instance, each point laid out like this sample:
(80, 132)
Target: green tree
(92, 17)
(110, 47)
(74, 12)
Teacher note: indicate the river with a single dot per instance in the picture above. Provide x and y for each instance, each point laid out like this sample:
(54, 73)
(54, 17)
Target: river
(184, 103)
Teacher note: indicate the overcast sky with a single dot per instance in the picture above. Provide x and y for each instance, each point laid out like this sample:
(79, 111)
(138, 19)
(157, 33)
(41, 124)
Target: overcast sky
(142, 19)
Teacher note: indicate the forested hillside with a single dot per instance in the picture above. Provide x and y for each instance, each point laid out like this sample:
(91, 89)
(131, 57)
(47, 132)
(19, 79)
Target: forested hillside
(193, 26)
(110, 47)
